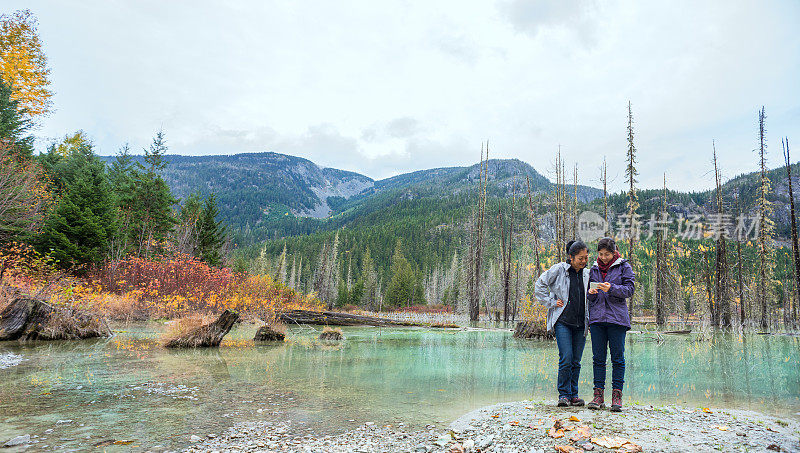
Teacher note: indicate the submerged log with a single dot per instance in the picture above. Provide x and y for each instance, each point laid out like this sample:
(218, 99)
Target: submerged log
(27, 319)
(532, 329)
(678, 332)
(267, 333)
(208, 335)
(330, 318)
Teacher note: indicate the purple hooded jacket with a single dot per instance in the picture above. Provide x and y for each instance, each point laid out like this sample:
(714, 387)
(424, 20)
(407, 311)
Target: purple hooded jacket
(611, 306)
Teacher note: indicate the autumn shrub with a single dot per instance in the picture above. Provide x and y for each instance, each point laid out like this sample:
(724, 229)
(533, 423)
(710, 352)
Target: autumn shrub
(183, 285)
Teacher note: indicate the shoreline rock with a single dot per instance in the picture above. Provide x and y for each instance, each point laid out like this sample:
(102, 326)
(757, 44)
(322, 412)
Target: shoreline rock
(525, 426)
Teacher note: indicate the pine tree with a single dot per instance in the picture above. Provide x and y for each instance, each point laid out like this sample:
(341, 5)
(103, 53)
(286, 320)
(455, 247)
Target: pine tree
(78, 231)
(211, 234)
(401, 291)
(121, 180)
(14, 124)
(153, 201)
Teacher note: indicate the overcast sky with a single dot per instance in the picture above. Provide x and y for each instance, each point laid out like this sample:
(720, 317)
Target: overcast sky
(386, 87)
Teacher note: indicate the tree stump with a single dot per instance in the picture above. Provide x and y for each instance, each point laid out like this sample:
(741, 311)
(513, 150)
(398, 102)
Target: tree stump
(26, 319)
(209, 335)
(329, 334)
(267, 333)
(532, 329)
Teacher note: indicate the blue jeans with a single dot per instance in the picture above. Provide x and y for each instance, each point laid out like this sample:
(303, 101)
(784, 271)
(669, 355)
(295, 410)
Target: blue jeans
(570, 343)
(607, 336)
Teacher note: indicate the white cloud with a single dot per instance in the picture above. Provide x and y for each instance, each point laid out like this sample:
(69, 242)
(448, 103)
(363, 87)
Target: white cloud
(389, 87)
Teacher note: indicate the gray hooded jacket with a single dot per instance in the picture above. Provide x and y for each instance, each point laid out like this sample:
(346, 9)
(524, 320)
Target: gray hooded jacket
(553, 285)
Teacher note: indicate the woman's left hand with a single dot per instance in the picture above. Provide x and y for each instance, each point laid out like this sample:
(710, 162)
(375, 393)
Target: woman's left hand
(605, 286)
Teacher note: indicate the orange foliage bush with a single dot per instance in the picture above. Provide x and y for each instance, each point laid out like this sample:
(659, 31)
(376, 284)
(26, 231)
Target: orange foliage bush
(139, 288)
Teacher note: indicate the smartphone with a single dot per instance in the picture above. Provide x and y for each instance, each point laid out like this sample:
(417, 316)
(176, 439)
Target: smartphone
(593, 285)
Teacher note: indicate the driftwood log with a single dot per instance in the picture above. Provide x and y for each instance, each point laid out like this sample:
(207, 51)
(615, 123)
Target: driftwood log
(267, 333)
(27, 319)
(330, 318)
(532, 329)
(208, 335)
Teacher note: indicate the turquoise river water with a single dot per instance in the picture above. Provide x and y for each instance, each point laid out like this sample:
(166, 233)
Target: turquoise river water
(74, 395)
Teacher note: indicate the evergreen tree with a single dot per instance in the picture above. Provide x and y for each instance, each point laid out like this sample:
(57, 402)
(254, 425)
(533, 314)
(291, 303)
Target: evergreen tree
(211, 235)
(14, 125)
(78, 231)
(402, 287)
(153, 201)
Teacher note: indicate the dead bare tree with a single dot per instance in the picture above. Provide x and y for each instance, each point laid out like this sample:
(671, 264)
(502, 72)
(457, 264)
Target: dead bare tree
(766, 252)
(661, 318)
(739, 275)
(506, 246)
(534, 229)
(475, 255)
(793, 216)
(721, 314)
(604, 177)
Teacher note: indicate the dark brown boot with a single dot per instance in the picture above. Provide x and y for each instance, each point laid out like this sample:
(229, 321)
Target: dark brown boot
(597, 402)
(575, 401)
(616, 400)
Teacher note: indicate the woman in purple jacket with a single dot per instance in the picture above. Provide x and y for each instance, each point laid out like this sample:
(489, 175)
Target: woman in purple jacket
(609, 319)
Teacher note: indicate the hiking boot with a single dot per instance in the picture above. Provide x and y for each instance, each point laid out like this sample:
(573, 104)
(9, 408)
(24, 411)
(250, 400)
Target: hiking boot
(597, 402)
(616, 400)
(563, 402)
(575, 401)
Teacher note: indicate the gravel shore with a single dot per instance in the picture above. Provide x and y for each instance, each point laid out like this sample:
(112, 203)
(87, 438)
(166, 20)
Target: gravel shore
(535, 427)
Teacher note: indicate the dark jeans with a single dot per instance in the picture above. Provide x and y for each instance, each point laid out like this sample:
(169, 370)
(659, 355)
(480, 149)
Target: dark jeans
(608, 336)
(570, 341)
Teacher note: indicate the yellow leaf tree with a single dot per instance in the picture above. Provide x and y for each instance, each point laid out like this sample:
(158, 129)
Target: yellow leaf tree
(23, 64)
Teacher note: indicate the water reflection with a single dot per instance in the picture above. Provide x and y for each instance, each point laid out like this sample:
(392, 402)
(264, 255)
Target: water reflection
(130, 387)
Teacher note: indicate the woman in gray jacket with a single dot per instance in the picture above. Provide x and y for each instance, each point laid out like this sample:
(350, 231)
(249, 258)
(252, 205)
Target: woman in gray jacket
(562, 289)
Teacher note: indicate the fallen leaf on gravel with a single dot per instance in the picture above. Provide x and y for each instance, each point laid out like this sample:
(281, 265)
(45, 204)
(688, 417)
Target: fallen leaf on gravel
(515, 423)
(582, 432)
(687, 411)
(123, 442)
(610, 442)
(630, 448)
(457, 448)
(707, 410)
(774, 447)
(573, 418)
(769, 428)
(566, 449)
(556, 433)
(495, 415)
(722, 427)
(528, 407)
